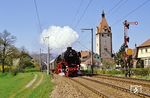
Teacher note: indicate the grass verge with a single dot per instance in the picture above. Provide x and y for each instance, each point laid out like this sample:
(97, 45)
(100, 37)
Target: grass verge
(41, 91)
(14, 86)
(10, 84)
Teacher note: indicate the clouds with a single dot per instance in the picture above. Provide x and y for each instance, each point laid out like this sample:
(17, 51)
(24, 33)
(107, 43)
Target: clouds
(58, 37)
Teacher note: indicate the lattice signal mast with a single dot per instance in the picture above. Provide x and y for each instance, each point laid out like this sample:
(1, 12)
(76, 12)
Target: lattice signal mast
(126, 27)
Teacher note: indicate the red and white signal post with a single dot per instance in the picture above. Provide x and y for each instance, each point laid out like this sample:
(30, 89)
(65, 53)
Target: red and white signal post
(128, 51)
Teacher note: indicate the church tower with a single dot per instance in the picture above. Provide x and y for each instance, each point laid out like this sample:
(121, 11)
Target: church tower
(104, 39)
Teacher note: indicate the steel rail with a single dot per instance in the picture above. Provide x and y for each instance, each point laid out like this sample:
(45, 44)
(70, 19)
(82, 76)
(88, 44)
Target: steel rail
(117, 87)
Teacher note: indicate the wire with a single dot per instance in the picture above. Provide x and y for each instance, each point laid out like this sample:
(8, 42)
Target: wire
(38, 17)
(141, 5)
(83, 45)
(114, 6)
(83, 13)
(117, 8)
(79, 7)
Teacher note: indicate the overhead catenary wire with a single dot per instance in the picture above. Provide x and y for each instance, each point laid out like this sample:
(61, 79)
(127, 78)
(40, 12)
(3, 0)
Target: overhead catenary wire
(80, 18)
(77, 12)
(118, 7)
(132, 11)
(82, 45)
(115, 6)
(38, 16)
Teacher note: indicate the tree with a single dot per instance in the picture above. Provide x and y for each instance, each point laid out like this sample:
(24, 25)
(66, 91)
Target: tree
(119, 56)
(108, 64)
(6, 44)
(13, 54)
(25, 60)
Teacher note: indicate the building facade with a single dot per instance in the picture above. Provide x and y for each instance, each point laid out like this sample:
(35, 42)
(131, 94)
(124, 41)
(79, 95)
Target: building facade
(144, 53)
(104, 39)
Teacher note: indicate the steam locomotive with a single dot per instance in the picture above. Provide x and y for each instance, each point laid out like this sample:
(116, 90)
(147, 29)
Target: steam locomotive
(68, 63)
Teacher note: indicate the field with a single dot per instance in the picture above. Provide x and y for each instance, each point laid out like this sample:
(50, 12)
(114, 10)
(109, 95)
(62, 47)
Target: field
(25, 85)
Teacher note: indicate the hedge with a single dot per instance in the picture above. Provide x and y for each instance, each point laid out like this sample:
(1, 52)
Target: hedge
(141, 71)
(135, 71)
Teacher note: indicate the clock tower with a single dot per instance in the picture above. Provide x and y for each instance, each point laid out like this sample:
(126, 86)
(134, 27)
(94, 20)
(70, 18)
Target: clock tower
(104, 39)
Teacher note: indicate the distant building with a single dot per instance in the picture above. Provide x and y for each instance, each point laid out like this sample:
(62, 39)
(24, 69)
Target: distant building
(86, 59)
(104, 39)
(143, 53)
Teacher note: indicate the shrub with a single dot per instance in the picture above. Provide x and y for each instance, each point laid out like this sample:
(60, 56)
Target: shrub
(14, 72)
(141, 71)
(29, 69)
(113, 72)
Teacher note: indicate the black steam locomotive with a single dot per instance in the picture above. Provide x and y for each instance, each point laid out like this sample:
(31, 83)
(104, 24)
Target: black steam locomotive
(68, 62)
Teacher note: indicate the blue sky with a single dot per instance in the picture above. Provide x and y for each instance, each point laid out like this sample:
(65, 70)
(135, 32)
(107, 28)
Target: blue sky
(20, 19)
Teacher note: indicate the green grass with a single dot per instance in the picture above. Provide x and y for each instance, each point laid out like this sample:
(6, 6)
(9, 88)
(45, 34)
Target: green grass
(43, 91)
(14, 86)
(10, 84)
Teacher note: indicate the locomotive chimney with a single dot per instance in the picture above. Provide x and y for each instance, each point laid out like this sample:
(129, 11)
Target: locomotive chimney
(69, 48)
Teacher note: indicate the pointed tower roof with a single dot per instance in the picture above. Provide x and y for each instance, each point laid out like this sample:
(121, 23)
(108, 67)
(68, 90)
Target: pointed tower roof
(103, 25)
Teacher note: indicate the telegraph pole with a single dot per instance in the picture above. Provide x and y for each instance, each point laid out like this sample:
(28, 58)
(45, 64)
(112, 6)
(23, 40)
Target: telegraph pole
(48, 60)
(48, 56)
(91, 29)
(40, 59)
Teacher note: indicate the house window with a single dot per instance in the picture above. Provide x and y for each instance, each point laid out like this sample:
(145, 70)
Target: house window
(146, 61)
(149, 61)
(146, 50)
(141, 50)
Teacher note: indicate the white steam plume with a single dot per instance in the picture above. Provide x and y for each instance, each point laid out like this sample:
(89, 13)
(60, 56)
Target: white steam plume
(58, 37)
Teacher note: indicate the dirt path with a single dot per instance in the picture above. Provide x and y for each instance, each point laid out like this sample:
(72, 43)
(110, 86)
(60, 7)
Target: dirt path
(39, 82)
(32, 81)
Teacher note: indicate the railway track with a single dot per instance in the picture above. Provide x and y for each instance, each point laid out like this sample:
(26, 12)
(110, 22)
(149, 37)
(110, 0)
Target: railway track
(135, 82)
(143, 95)
(68, 88)
(91, 89)
(127, 78)
(105, 90)
(101, 88)
(127, 83)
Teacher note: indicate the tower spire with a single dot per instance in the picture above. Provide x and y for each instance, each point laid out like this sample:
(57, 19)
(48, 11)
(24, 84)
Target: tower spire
(103, 26)
(103, 14)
